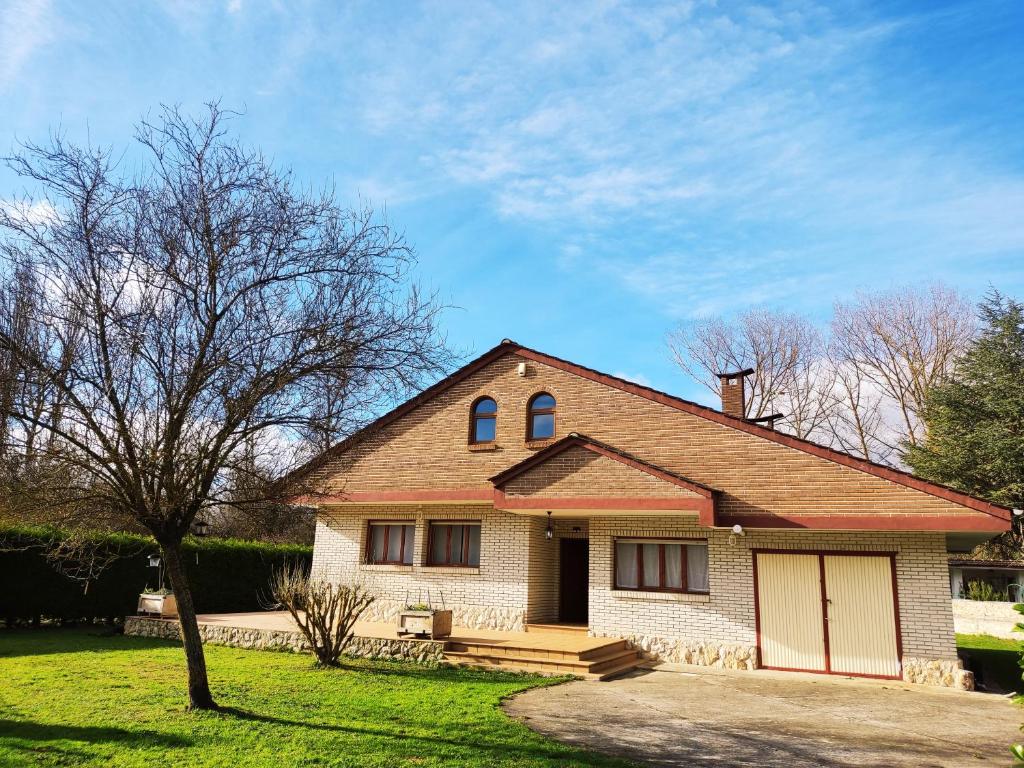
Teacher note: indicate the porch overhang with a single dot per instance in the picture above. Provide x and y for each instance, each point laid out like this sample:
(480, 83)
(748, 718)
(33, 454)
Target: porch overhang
(669, 491)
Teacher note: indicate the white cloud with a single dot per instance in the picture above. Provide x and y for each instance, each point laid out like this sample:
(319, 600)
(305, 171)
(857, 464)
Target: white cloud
(26, 26)
(701, 131)
(637, 378)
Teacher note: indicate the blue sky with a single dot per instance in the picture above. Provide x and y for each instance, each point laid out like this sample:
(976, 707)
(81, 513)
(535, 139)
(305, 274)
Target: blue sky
(583, 176)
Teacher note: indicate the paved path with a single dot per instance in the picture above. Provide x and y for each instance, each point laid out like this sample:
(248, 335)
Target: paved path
(765, 719)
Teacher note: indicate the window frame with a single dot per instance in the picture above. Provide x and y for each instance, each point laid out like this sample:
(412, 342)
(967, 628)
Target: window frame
(474, 417)
(388, 525)
(532, 411)
(684, 589)
(449, 524)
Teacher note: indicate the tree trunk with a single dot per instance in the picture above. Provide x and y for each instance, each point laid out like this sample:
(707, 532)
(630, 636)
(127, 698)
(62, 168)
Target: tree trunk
(199, 696)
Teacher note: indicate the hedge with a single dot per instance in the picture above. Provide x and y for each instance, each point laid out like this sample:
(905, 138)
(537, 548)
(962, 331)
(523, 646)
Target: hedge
(227, 575)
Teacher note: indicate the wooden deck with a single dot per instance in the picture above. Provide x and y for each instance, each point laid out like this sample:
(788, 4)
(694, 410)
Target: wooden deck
(547, 649)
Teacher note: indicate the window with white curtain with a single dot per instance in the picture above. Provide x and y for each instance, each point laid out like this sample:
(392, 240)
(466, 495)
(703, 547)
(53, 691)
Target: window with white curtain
(456, 544)
(661, 565)
(390, 543)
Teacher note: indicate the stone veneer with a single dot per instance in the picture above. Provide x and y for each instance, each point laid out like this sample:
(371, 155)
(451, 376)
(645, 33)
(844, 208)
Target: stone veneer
(422, 651)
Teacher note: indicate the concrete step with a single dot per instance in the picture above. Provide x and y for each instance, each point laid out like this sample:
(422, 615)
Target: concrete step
(612, 663)
(526, 649)
(563, 629)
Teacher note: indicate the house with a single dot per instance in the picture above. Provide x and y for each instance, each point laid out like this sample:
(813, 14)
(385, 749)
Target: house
(528, 490)
(1005, 578)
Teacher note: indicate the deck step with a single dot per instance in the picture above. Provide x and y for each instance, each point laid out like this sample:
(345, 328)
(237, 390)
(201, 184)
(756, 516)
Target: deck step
(566, 629)
(615, 662)
(526, 649)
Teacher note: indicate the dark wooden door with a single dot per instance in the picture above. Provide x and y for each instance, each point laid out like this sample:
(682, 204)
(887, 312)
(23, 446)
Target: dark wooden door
(575, 577)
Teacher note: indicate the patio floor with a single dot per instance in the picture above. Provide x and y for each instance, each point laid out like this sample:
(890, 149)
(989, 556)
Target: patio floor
(537, 639)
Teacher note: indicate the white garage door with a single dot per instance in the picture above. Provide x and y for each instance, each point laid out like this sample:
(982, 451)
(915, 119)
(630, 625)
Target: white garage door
(827, 613)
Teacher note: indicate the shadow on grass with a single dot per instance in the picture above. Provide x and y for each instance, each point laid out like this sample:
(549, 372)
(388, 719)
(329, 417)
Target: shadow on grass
(43, 641)
(30, 738)
(472, 742)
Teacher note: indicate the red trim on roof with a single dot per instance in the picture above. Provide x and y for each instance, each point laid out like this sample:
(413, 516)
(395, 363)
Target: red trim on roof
(422, 496)
(703, 507)
(869, 522)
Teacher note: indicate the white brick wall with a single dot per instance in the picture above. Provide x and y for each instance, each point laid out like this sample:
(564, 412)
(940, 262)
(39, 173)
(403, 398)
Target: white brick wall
(518, 574)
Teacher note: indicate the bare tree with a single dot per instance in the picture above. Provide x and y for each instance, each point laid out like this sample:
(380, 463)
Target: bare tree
(786, 352)
(188, 309)
(325, 612)
(856, 419)
(903, 342)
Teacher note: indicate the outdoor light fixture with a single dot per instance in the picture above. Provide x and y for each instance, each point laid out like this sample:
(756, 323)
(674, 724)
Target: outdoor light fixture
(154, 561)
(200, 528)
(737, 530)
(549, 532)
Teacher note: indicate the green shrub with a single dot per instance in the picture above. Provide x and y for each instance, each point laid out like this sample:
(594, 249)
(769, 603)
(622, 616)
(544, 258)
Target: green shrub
(982, 590)
(227, 575)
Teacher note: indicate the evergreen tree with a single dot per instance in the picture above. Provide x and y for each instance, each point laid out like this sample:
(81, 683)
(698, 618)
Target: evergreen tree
(975, 421)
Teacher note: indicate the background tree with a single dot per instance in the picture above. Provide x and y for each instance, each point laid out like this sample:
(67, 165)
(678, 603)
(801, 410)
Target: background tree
(184, 317)
(784, 349)
(975, 421)
(902, 343)
(860, 389)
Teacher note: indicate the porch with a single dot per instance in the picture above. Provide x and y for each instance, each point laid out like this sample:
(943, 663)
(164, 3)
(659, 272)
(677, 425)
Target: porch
(548, 649)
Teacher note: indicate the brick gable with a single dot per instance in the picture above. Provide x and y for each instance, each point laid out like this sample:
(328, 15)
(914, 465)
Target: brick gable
(760, 479)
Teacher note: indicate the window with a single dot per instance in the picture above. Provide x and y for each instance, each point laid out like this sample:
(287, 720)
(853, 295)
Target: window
(541, 422)
(483, 427)
(455, 544)
(661, 566)
(390, 543)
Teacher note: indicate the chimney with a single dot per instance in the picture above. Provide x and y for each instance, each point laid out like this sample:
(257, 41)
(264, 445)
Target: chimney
(734, 398)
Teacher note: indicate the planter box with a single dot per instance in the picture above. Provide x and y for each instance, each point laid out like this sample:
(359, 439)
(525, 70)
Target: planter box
(432, 624)
(159, 605)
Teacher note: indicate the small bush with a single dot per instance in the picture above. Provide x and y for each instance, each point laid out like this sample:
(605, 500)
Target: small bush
(227, 575)
(982, 590)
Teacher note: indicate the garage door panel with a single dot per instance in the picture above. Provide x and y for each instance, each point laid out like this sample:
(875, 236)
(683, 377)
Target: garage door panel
(861, 615)
(789, 600)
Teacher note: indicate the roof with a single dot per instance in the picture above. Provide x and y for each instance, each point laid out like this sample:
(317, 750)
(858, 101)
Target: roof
(507, 346)
(969, 562)
(575, 439)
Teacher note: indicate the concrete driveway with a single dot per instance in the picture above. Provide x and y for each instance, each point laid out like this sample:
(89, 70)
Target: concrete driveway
(767, 719)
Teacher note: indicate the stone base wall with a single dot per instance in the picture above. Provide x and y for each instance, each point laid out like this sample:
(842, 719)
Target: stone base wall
(702, 653)
(978, 617)
(949, 673)
(469, 616)
(422, 651)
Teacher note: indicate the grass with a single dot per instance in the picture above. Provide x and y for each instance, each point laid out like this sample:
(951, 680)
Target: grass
(995, 660)
(78, 698)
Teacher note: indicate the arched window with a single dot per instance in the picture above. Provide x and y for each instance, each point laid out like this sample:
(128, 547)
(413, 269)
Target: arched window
(541, 421)
(484, 423)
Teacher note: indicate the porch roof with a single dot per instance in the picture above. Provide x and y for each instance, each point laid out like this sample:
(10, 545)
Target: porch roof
(561, 477)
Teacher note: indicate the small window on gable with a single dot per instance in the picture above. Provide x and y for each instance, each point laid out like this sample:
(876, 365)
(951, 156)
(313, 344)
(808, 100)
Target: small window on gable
(541, 419)
(484, 423)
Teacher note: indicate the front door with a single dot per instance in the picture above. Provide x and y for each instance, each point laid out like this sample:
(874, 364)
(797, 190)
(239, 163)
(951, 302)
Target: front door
(574, 580)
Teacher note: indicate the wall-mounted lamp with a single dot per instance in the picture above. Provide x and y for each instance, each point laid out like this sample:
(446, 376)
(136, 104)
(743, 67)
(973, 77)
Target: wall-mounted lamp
(154, 561)
(200, 528)
(549, 532)
(737, 530)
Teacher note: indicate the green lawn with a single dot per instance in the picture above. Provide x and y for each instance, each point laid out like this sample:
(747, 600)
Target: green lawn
(999, 659)
(75, 697)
